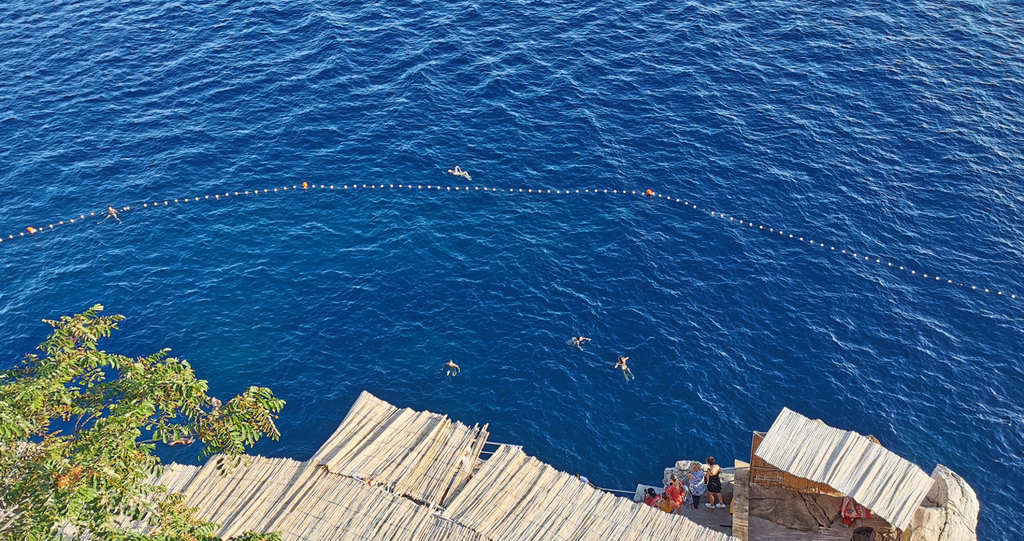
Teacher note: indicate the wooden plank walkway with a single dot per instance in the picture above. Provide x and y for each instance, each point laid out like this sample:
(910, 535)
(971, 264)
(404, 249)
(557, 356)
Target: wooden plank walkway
(875, 477)
(741, 502)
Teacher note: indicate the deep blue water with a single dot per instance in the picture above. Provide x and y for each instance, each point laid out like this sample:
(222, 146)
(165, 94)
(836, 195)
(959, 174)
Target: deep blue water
(891, 129)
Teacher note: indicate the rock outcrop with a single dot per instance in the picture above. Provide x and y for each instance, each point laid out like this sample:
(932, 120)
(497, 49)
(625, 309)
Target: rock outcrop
(949, 512)
(679, 471)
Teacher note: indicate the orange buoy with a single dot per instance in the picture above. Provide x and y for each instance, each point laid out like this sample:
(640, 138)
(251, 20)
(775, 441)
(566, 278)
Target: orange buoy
(31, 229)
(304, 185)
(650, 193)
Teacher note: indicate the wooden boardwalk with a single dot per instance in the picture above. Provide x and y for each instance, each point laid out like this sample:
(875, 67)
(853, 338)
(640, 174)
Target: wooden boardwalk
(741, 501)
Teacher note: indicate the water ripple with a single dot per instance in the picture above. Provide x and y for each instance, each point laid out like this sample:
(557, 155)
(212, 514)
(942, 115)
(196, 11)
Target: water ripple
(889, 129)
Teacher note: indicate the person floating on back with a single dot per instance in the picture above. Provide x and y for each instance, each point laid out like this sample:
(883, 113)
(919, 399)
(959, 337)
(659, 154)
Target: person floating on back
(460, 173)
(452, 369)
(626, 372)
(578, 341)
(111, 213)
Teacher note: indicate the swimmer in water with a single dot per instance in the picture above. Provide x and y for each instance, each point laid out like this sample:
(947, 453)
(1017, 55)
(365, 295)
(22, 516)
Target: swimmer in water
(111, 213)
(460, 173)
(578, 341)
(184, 441)
(626, 372)
(452, 369)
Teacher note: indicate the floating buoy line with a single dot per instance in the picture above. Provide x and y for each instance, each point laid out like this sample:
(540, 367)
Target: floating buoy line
(875, 260)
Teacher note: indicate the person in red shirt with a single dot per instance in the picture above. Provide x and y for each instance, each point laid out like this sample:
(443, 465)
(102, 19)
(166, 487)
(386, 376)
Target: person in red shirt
(650, 497)
(658, 501)
(675, 493)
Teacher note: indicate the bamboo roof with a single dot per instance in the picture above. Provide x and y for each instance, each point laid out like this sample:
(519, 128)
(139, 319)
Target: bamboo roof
(875, 477)
(304, 501)
(517, 497)
(382, 473)
(419, 454)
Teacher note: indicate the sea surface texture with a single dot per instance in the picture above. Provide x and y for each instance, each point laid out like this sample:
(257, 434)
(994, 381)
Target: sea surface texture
(890, 130)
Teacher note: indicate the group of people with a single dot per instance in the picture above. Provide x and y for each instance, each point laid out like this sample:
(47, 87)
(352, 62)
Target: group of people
(701, 479)
(620, 363)
(452, 369)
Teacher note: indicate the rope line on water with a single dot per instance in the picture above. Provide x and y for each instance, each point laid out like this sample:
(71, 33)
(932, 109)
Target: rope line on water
(857, 256)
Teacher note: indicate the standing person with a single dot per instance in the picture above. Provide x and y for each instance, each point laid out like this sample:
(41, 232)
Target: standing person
(697, 485)
(711, 477)
(675, 493)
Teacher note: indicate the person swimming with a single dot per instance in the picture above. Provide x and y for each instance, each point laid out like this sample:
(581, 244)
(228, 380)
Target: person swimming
(578, 341)
(626, 372)
(189, 440)
(451, 369)
(111, 213)
(460, 173)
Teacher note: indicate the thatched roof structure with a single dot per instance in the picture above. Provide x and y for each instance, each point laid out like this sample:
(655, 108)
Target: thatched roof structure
(516, 497)
(875, 477)
(419, 454)
(391, 474)
(304, 501)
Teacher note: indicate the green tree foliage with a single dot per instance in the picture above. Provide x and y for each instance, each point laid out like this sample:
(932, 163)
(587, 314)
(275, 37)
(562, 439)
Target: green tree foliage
(78, 427)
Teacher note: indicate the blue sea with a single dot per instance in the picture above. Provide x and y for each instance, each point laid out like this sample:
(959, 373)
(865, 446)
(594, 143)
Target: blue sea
(891, 130)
